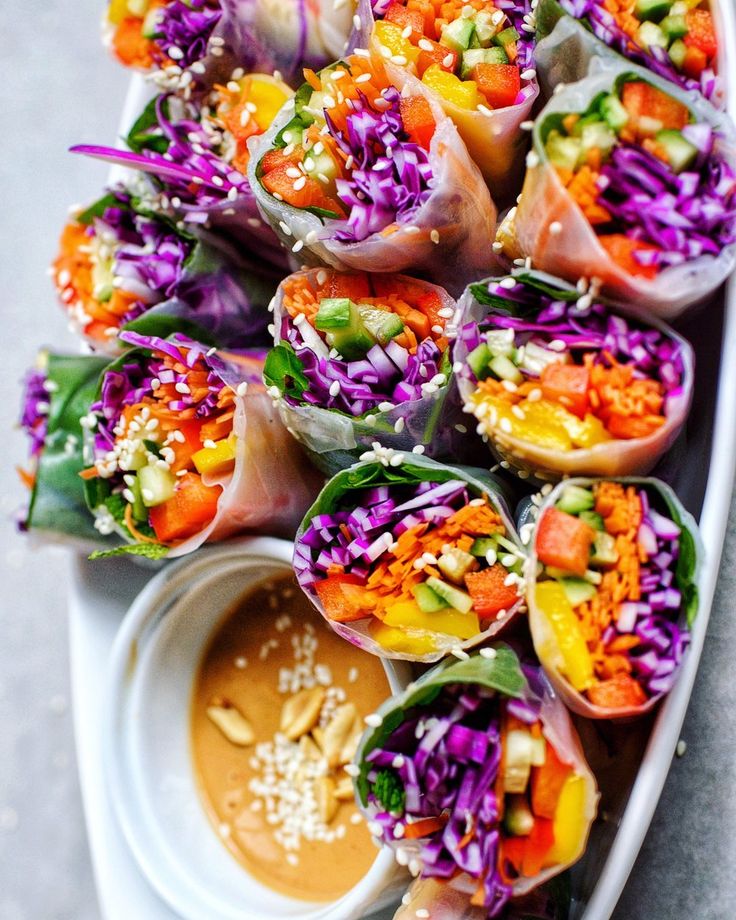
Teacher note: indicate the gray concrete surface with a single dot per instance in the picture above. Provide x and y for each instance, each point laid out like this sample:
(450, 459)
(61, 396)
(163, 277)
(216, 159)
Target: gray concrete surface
(57, 87)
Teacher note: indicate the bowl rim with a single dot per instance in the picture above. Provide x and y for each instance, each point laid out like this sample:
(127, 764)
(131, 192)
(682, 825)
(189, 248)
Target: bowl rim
(163, 590)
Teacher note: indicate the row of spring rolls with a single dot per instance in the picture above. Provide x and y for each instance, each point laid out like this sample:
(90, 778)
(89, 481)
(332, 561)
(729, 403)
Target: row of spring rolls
(415, 138)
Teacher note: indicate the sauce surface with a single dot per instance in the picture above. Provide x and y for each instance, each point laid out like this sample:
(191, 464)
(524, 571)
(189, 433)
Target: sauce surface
(282, 805)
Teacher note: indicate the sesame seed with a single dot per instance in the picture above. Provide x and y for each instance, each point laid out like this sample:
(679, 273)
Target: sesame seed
(351, 769)
(435, 236)
(555, 227)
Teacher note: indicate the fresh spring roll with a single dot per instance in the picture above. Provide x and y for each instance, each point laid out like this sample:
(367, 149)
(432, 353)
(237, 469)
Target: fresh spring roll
(121, 264)
(477, 60)
(196, 42)
(630, 182)
(356, 174)
(410, 559)
(187, 448)
(197, 154)
(612, 593)
(476, 778)
(677, 41)
(57, 392)
(562, 385)
(360, 358)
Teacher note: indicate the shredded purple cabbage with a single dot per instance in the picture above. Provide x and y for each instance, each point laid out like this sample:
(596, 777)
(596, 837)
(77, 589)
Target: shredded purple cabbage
(447, 758)
(537, 317)
(388, 373)
(378, 517)
(604, 26)
(187, 28)
(35, 410)
(686, 215)
(391, 178)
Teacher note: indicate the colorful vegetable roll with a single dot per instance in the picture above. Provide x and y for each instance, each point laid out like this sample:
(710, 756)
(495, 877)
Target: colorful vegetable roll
(475, 776)
(676, 40)
(361, 358)
(194, 42)
(358, 175)
(477, 60)
(197, 153)
(120, 261)
(186, 448)
(57, 392)
(614, 595)
(633, 183)
(410, 559)
(562, 385)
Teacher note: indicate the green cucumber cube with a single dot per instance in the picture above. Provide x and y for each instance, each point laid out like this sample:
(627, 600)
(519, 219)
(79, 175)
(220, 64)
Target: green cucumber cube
(481, 56)
(458, 34)
(564, 152)
(592, 519)
(677, 53)
(157, 485)
(575, 499)
(507, 37)
(478, 361)
(604, 549)
(681, 154)
(333, 313)
(381, 324)
(577, 590)
(674, 27)
(427, 599)
(482, 546)
(649, 35)
(452, 596)
(614, 113)
(652, 10)
(598, 136)
(505, 369)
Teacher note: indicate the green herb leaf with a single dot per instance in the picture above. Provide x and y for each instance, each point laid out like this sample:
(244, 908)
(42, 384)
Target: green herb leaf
(389, 791)
(141, 136)
(98, 209)
(148, 550)
(284, 370)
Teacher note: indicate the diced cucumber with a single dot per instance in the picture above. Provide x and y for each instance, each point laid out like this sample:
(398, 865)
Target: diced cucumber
(593, 519)
(455, 564)
(157, 485)
(474, 56)
(507, 37)
(677, 53)
(352, 341)
(139, 509)
(505, 369)
(320, 164)
(485, 27)
(452, 596)
(598, 136)
(517, 760)
(674, 27)
(536, 358)
(604, 549)
(652, 10)
(150, 25)
(564, 152)
(482, 546)
(577, 590)
(647, 126)
(333, 313)
(427, 599)
(381, 324)
(680, 153)
(649, 35)
(614, 113)
(575, 499)
(478, 361)
(501, 341)
(458, 34)
(593, 119)
(518, 819)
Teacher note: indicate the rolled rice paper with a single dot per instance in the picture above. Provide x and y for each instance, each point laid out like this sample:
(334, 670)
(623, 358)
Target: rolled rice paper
(549, 227)
(648, 367)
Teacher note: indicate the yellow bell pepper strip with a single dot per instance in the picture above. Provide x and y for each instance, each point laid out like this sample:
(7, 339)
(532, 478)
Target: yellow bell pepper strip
(578, 666)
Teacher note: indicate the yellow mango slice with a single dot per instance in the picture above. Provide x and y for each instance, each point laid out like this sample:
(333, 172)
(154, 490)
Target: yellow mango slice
(462, 93)
(449, 621)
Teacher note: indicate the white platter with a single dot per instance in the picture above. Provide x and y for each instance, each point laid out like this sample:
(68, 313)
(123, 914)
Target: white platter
(100, 594)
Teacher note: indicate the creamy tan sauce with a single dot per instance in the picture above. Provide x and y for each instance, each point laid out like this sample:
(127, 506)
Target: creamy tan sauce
(260, 643)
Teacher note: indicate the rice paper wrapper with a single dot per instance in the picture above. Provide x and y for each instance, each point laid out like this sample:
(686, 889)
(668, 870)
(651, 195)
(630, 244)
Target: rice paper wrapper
(618, 457)
(494, 138)
(57, 511)
(686, 578)
(566, 47)
(459, 208)
(334, 440)
(271, 483)
(574, 251)
(505, 675)
(383, 470)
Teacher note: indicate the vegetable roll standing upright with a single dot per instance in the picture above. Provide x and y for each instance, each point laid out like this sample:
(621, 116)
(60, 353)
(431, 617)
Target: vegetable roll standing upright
(194, 43)
(362, 358)
(562, 385)
(357, 174)
(630, 182)
(676, 40)
(121, 264)
(475, 776)
(477, 60)
(186, 449)
(411, 559)
(612, 593)
(57, 393)
(197, 153)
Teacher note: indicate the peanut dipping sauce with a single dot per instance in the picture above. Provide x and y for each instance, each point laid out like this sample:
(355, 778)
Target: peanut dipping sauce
(284, 806)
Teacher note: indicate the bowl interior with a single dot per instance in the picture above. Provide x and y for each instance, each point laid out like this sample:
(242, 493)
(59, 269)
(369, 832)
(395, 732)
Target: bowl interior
(152, 780)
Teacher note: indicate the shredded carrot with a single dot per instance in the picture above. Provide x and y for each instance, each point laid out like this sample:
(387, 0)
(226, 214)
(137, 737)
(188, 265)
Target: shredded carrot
(130, 524)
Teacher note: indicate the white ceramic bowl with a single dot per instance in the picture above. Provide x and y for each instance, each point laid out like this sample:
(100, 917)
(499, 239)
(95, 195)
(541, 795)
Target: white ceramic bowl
(147, 748)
